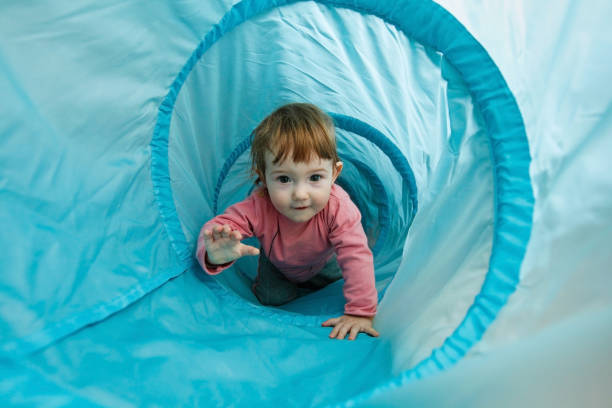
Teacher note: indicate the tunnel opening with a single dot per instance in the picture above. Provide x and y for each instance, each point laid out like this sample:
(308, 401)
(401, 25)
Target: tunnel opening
(458, 89)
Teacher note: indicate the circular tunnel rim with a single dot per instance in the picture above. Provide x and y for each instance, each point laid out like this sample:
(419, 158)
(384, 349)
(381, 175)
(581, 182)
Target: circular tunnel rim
(431, 25)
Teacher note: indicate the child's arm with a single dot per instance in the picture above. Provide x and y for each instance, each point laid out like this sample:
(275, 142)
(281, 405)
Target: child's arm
(355, 260)
(351, 325)
(219, 239)
(223, 245)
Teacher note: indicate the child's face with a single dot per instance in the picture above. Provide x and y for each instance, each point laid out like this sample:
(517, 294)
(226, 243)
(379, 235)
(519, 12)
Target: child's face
(300, 190)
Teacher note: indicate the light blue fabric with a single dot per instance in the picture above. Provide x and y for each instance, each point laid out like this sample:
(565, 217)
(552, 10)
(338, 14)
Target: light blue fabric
(125, 126)
(514, 198)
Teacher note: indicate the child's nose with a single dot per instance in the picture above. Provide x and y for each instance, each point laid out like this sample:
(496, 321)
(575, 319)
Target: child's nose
(300, 192)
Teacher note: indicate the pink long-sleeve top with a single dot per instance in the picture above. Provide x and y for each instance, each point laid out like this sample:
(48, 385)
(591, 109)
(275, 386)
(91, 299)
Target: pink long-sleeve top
(301, 250)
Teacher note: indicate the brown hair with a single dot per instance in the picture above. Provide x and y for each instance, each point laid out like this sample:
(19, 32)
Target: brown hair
(300, 128)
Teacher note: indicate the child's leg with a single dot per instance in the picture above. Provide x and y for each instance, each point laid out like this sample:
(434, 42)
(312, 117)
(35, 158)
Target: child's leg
(271, 287)
(330, 273)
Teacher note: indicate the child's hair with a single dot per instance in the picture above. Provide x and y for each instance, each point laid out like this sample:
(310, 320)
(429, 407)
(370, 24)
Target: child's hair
(298, 128)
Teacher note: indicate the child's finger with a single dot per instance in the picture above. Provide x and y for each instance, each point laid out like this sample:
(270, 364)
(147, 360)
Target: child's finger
(251, 250)
(236, 235)
(331, 322)
(220, 231)
(209, 237)
(334, 332)
(216, 232)
(371, 331)
(342, 332)
(247, 250)
(354, 332)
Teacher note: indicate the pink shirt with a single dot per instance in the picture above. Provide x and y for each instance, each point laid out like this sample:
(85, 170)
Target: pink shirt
(301, 250)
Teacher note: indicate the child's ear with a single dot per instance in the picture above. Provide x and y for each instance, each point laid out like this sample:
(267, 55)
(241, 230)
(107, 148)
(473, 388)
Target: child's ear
(337, 170)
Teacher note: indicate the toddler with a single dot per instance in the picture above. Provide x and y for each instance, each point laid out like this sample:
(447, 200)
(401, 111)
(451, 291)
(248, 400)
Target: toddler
(308, 228)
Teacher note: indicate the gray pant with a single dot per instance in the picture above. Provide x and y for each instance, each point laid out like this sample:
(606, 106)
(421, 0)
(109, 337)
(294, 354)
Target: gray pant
(272, 288)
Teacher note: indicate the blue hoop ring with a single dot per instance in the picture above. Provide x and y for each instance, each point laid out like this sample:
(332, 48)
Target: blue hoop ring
(428, 23)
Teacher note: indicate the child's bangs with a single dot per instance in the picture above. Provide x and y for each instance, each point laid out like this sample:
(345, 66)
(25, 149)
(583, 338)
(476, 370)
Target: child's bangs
(304, 145)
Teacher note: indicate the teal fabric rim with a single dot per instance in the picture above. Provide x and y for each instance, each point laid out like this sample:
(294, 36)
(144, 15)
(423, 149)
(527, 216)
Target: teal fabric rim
(431, 25)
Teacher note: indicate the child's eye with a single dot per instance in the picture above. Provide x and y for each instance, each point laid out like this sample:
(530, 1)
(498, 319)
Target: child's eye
(283, 179)
(315, 177)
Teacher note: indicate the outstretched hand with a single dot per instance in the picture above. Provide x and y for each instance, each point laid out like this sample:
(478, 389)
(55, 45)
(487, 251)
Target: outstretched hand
(223, 245)
(350, 324)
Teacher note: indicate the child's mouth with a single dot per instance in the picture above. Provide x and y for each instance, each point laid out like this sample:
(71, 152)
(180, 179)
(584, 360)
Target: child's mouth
(300, 208)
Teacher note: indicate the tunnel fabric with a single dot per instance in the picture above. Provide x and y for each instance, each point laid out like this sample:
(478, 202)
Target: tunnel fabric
(430, 24)
(159, 260)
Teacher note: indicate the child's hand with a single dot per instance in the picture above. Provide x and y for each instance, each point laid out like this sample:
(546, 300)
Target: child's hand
(223, 245)
(350, 324)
